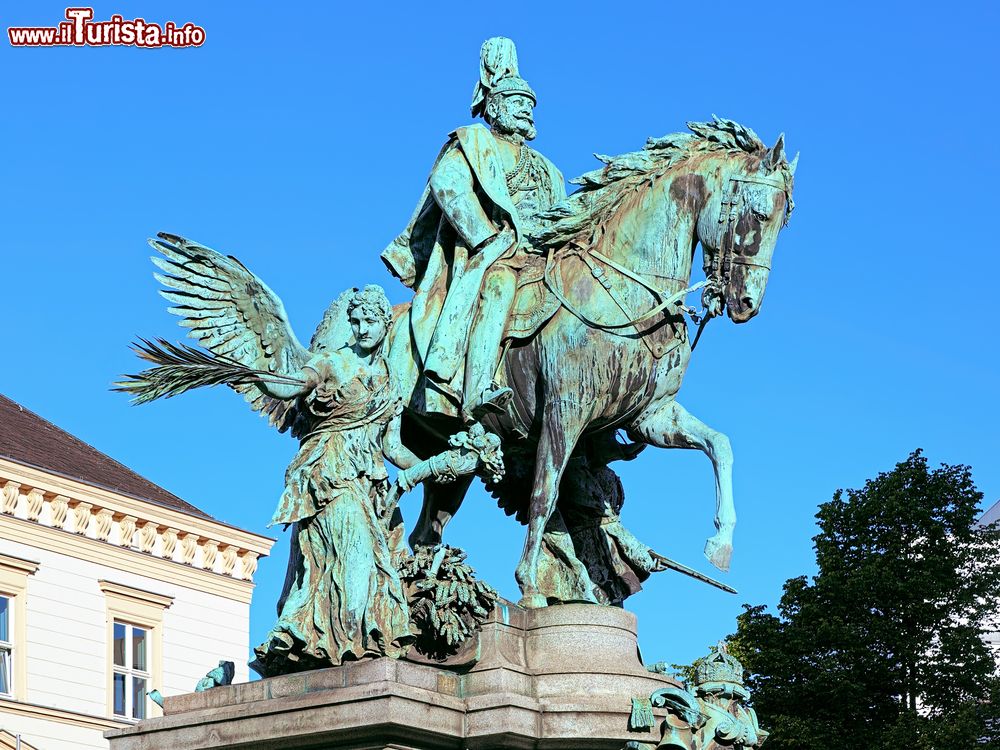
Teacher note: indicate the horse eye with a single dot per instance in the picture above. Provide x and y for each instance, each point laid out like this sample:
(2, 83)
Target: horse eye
(760, 215)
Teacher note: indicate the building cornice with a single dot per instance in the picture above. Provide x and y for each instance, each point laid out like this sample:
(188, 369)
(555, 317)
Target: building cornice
(140, 527)
(63, 717)
(126, 559)
(59, 484)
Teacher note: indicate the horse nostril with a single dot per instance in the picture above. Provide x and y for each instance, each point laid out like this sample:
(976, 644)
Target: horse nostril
(747, 303)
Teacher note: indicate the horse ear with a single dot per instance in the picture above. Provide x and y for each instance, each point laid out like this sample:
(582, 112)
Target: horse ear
(793, 164)
(776, 155)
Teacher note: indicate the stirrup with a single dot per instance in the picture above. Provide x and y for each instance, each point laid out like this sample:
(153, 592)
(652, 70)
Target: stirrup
(493, 400)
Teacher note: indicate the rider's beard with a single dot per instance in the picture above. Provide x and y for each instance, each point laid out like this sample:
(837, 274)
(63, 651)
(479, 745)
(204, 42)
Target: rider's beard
(529, 131)
(507, 124)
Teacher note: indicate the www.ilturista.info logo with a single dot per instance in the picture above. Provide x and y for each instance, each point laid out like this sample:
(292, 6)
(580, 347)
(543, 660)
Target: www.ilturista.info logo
(80, 30)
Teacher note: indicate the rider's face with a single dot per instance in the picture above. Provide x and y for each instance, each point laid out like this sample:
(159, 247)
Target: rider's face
(515, 114)
(369, 330)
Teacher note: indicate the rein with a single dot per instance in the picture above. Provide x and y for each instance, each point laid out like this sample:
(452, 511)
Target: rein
(588, 257)
(719, 271)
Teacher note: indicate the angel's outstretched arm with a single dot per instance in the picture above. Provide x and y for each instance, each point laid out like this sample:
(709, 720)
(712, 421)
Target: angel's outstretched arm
(179, 368)
(288, 391)
(392, 446)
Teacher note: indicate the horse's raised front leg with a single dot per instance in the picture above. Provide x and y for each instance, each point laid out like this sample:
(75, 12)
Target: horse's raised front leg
(441, 502)
(562, 426)
(670, 425)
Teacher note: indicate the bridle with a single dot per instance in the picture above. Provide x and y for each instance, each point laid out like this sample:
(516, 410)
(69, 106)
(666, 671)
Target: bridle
(720, 269)
(718, 274)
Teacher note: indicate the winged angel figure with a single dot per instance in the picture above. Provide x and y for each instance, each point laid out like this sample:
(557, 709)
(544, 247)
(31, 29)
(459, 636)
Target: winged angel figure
(343, 597)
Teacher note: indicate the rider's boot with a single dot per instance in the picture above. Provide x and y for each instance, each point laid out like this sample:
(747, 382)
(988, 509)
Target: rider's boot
(482, 394)
(494, 399)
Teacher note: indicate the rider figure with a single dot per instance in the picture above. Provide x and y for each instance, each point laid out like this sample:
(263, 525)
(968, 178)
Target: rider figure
(467, 242)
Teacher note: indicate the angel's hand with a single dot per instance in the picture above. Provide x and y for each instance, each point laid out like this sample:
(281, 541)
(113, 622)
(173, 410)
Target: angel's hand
(312, 378)
(288, 391)
(465, 464)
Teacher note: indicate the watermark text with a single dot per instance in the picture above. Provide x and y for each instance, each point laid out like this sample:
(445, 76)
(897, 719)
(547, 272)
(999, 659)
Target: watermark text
(81, 30)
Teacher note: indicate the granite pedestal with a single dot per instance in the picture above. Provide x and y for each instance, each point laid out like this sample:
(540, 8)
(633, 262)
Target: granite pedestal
(559, 677)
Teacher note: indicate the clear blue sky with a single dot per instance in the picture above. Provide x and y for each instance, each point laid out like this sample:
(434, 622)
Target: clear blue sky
(299, 137)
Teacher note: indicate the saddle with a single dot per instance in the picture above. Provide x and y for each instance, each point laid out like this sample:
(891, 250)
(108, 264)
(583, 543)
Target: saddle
(534, 304)
(589, 286)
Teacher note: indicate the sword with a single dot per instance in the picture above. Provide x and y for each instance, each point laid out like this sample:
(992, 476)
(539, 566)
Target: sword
(665, 563)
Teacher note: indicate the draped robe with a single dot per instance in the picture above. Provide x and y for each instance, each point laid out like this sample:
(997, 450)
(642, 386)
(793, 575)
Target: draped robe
(433, 257)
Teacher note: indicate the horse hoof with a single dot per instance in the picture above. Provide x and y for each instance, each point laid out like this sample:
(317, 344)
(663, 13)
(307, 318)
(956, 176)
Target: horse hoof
(533, 601)
(719, 554)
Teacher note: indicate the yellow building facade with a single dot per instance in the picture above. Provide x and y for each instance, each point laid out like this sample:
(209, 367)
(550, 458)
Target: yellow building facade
(110, 587)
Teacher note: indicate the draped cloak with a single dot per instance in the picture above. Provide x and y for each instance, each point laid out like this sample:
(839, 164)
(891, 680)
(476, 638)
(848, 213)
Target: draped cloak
(343, 598)
(431, 257)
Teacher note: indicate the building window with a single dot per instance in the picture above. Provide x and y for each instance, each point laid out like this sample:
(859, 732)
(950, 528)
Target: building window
(14, 574)
(131, 669)
(135, 649)
(6, 646)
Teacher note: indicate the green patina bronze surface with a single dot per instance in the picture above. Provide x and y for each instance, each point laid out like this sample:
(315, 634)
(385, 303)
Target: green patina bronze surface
(713, 708)
(558, 321)
(343, 597)
(541, 323)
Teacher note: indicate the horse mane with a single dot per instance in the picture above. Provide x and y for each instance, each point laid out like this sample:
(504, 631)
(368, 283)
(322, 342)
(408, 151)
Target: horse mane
(582, 216)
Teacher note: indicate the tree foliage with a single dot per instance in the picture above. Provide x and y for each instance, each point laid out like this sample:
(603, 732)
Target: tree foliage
(883, 647)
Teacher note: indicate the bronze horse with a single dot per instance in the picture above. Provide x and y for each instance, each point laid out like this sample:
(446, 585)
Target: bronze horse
(621, 250)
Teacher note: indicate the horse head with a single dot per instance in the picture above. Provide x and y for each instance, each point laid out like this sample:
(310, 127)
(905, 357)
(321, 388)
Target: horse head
(739, 226)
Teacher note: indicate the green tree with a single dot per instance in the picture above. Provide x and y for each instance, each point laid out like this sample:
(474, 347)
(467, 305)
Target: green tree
(883, 647)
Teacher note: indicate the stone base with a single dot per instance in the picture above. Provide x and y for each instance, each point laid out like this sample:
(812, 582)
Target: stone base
(558, 677)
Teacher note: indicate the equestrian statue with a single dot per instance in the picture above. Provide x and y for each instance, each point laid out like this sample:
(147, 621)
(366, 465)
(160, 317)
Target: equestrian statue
(560, 322)
(547, 336)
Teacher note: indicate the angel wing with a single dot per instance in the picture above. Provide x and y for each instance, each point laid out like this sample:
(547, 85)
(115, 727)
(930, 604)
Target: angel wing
(233, 314)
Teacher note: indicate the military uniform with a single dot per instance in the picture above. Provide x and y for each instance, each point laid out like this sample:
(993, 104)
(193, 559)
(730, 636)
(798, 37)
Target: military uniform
(453, 256)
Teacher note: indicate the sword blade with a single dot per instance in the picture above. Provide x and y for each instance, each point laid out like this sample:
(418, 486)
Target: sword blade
(665, 563)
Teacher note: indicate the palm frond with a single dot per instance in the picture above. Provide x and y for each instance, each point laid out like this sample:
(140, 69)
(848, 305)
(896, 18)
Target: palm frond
(179, 368)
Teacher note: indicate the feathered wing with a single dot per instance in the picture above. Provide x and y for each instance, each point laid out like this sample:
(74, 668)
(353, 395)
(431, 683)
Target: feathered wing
(232, 314)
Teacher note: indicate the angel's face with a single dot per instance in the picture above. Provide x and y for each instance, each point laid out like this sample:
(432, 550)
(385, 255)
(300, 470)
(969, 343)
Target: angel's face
(369, 330)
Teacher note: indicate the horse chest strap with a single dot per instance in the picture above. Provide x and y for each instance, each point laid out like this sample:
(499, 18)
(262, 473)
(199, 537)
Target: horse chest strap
(597, 272)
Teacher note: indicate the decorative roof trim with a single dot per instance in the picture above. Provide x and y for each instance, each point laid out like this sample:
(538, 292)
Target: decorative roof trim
(133, 526)
(37, 486)
(113, 556)
(32, 440)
